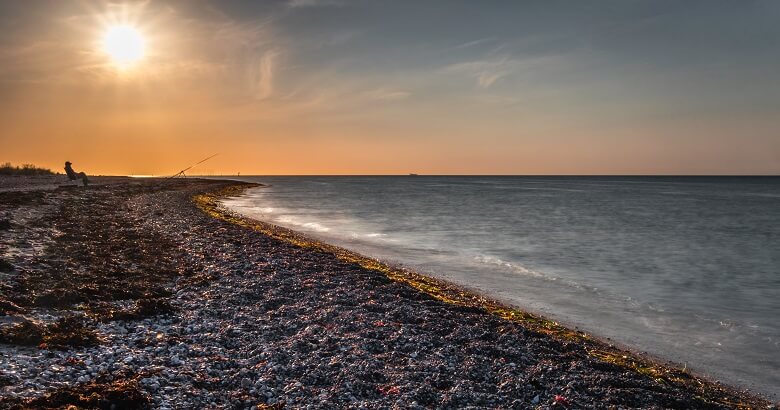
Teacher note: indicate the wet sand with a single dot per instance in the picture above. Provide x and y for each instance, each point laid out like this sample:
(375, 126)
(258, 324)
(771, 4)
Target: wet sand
(144, 293)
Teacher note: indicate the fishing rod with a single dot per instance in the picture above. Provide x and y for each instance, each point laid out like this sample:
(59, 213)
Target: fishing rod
(191, 166)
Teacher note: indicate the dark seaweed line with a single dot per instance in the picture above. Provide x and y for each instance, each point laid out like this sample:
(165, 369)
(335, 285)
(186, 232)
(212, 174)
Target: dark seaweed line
(705, 391)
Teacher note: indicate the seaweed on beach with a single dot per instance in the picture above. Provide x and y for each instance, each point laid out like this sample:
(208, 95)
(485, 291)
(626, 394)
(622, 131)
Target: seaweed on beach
(438, 289)
(5, 266)
(116, 395)
(275, 406)
(22, 198)
(26, 333)
(142, 308)
(100, 256)
(65, 332)
(69, 331)
(8, 308)
(266, 317)
(99, 260)
(637, 370)
(149, 307)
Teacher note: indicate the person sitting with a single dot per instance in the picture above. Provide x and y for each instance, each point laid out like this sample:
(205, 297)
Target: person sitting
(72, 175)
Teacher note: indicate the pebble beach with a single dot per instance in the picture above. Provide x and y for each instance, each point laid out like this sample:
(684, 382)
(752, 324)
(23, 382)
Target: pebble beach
(145, 293)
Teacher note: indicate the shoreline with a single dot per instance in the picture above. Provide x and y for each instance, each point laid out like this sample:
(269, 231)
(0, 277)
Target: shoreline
(574, 302)
(457, 295)
(285, 306)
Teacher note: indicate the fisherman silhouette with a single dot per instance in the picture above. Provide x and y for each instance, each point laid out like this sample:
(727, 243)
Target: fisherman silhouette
(72, 175)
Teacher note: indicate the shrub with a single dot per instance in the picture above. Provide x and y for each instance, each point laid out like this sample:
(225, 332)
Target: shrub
(25, 169)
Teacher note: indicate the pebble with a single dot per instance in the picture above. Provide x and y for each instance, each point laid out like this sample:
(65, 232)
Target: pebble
(274, 323)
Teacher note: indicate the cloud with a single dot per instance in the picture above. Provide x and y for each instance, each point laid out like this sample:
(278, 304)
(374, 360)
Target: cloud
(261, 75)
(489, 71)
(486, 72)
(475, 43)
(388, 94)
(314, 3)
(342, 37)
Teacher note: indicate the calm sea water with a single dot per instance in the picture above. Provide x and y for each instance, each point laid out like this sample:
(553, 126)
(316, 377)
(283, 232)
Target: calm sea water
(685, 268)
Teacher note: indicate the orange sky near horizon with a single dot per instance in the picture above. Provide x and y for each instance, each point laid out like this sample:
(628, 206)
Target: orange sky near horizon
(288, 89)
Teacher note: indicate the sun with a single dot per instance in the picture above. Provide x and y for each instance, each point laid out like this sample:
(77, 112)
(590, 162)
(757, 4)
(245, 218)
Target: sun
(124, 44)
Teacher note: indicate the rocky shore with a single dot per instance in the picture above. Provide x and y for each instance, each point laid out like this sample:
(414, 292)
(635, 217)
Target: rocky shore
(143, 293)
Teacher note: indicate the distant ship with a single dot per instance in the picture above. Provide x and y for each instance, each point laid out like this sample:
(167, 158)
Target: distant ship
(412, 175)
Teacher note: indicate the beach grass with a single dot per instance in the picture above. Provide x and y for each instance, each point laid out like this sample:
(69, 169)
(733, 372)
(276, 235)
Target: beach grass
(24, 169)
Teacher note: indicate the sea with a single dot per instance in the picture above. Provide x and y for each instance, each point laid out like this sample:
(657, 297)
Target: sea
(685, 269)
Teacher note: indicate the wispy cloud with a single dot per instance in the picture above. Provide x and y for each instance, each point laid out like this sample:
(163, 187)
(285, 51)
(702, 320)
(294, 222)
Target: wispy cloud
(250, 53)
(475, 43)
(486, 72)
(261, 75)
(342, 37)
(388, 94)
(313, 3)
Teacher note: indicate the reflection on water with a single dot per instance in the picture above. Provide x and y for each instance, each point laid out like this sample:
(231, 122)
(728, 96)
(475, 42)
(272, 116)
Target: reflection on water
(684, 267)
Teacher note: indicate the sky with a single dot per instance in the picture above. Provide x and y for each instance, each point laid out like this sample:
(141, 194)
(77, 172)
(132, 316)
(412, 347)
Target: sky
(392, 87)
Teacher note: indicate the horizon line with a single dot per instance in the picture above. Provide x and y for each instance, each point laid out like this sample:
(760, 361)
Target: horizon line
(460, 175)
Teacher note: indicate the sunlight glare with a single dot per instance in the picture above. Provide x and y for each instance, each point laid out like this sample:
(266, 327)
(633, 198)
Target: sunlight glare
(124, 44)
